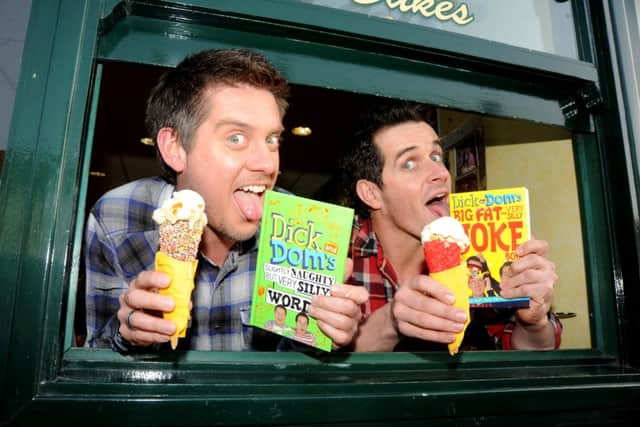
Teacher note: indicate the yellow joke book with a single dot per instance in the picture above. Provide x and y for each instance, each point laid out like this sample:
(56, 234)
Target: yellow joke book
(497, 222)
(302, 251)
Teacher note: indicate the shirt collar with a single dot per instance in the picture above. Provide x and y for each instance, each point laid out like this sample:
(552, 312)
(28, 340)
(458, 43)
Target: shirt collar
(363, 241)
(165, 194)
(237, 250)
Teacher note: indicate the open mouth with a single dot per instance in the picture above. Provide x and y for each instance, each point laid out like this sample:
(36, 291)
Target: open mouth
(439, 204)
(437, 199)
(250, 199)
(257, 189)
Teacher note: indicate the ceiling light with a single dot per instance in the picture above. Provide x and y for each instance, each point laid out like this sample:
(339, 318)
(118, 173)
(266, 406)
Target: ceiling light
(96, 173)
(301, 131)
(147, 141)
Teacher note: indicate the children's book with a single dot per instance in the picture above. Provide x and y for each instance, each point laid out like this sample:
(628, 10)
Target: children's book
(303, 246)
(497, 222)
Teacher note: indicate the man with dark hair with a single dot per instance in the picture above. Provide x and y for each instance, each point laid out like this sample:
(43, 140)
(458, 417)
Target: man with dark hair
(217, 121)
(397, 181)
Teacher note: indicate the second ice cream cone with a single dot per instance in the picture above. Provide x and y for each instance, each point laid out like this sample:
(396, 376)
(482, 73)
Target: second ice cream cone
(443, 242)
(456, 279)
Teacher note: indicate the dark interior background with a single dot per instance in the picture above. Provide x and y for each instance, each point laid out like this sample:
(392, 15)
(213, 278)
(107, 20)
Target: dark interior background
(308, 164)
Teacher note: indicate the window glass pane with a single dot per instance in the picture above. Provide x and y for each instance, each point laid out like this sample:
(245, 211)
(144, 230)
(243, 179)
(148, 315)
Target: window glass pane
(516, 153)
(541, 25)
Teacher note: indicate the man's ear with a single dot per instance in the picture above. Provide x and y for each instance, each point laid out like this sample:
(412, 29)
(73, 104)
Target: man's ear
(369, 193)
(171, 149)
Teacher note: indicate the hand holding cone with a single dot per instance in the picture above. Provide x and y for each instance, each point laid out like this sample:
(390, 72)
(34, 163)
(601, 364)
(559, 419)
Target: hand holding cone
(182, 221)
(444, 241)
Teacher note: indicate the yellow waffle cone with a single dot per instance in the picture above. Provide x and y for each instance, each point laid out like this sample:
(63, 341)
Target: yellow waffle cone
(457, 280)
(182, 274)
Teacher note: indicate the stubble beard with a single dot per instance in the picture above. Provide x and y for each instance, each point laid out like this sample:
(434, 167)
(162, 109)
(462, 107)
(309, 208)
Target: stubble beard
(229, 234)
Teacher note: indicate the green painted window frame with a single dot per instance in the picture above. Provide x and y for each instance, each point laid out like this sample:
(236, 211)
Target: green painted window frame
(42, 181)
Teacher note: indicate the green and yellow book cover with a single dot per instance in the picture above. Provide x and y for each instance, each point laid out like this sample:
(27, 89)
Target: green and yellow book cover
(497, 222)
(302, 251)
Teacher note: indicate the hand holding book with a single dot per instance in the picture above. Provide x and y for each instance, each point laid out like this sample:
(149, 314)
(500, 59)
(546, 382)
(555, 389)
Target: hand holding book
(532, 276)
(298, 291)
(496, 221)
(516, 266)
(338, 314)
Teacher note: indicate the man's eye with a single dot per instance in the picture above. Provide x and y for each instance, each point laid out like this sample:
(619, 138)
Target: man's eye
(409, 165)
(273, 140)
(437, 157)
(236, 139)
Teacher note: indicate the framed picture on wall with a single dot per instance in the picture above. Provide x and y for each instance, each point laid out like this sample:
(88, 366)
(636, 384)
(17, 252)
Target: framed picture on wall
(466, 160)
(465, 148)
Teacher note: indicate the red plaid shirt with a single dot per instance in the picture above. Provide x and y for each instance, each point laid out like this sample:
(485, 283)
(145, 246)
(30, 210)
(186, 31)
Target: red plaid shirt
(373, 271)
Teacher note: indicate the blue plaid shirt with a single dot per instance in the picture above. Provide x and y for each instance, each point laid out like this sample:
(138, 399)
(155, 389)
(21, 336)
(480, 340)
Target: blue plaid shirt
(121, 240)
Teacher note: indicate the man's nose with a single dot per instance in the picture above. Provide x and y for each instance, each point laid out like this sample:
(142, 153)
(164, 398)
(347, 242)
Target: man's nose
(262, 158)
(439, 173)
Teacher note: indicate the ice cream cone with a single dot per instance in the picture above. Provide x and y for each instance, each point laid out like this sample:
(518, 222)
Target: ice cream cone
(182, 274)
(444, 241)
(456, 279)
(182, 221)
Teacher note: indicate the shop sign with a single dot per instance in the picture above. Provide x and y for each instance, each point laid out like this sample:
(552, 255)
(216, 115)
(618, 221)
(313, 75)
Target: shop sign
(442, 10)
(539, 25)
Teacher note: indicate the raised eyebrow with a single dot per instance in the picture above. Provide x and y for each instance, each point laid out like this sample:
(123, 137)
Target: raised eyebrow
(404, 151)
(436, 143)
(438, 147)
(244, 125)
(234, 123)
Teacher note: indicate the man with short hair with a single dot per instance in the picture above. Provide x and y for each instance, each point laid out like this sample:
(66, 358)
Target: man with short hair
(397, 181)
(217, 122)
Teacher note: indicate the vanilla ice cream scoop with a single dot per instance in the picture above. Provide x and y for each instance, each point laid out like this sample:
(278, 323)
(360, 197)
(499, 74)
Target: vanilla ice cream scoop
(182, 220)
(448, 229)
(184, 205)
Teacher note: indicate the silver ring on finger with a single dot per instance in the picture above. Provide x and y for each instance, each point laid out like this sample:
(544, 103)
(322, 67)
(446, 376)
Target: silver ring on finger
(133, 328)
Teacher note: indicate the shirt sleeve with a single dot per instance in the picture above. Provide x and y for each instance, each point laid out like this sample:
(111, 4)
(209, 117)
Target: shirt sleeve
(503, 336)
(103, 286)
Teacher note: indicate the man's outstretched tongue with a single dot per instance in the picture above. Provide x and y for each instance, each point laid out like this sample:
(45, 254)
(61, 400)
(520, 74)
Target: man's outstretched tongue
(250, 204)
